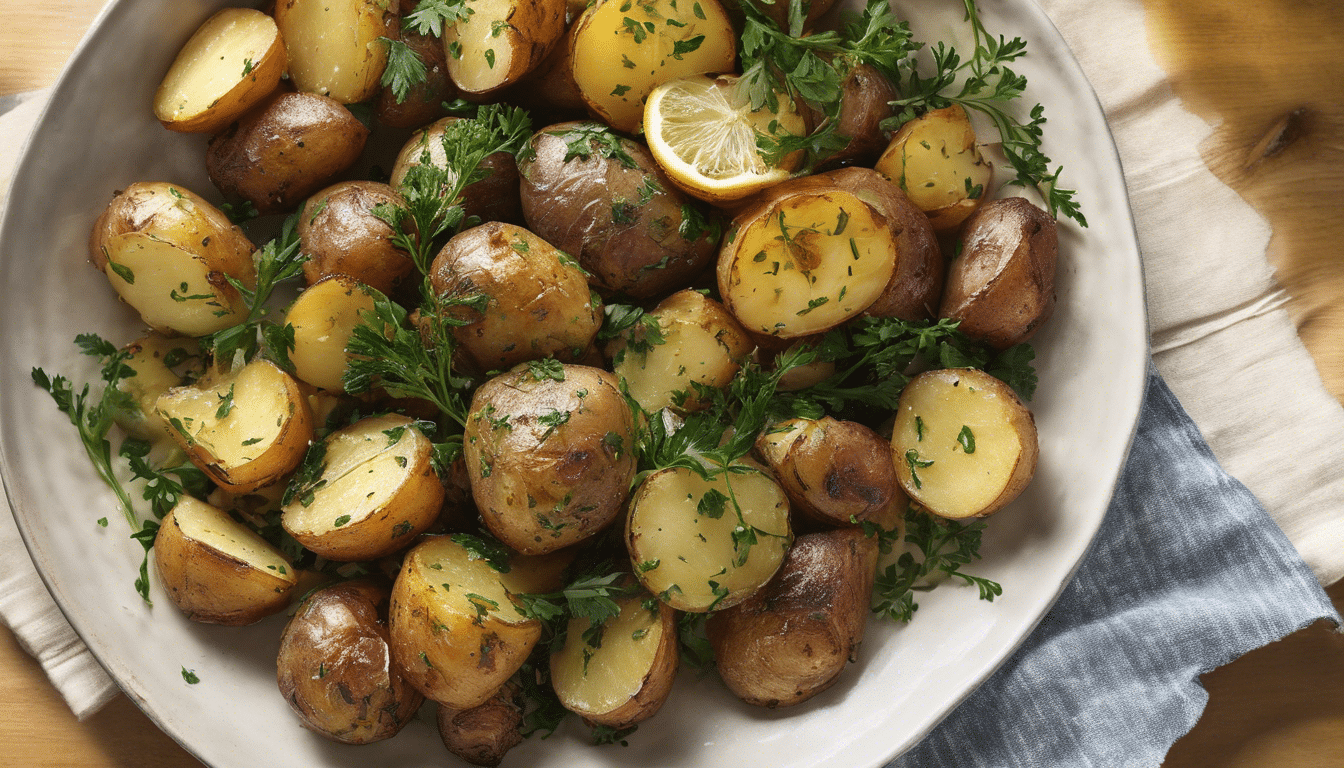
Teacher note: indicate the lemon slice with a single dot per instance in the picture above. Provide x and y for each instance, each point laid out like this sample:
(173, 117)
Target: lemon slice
(702, 131)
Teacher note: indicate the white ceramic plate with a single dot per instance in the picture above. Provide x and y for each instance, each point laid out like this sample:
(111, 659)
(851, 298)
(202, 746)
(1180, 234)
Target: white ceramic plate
(98, 135)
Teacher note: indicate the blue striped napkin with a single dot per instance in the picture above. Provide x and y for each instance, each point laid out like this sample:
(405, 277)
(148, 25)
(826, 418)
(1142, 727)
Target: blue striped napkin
(1187, 573)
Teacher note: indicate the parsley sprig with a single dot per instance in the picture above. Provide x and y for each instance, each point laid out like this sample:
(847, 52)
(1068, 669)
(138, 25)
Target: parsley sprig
(944, 547)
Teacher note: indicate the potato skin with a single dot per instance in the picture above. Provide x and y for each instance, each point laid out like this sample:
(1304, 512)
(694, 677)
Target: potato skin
(483, 735)
(603, 199)
(864, 104)
(836, 472)
(284, 150)
(493, 198)
(792, 638)
(424, 101)
(1002, 285)
(340, 235)
(549, 466)
(335, 666)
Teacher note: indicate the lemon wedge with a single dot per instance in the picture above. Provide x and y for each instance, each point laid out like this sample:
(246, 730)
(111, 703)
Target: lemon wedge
(702, 131)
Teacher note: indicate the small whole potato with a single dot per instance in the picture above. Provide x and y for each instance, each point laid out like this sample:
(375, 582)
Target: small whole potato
(492, 198)
(285, 149)
(836, 472)
(483, 734)
(341, 235)
(424, 101)
(335, 666)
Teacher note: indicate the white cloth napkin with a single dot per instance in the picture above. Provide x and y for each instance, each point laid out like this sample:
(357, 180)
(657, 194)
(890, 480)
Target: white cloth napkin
(1220, 335)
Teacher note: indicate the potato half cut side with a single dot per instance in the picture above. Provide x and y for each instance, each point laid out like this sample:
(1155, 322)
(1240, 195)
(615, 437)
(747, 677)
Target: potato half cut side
(691, 539)
(335, 666)
(229, 64)
(805, 263)
(156, 361)
(454, 628)
(376, 491)
(333, 45)
(793, 638)
(621, 673)
(324, 316)
(963, 443)
(501, 41)
(216, 569)
(936, 160)
(246, 430)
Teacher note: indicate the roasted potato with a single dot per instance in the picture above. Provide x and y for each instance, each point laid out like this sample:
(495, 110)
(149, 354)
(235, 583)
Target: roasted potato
(550, 454)
(702, 545)
(157, 363)
(168, 254)
(334, 47)
(1001, 286)
(375, 492)
(836, 472)
(696, 343)
(453, 624)
(216, 569)
(335, 666)
(936, 160)
(520, 298)
(792, 639)
(865, 101)
(285, 149)
(963, 443)
(501, 41)
(621, 53)
(234, 60)
(603, 199)
(620, 672)
(323, 317)
(423, 102)
(492, 198)
(483, 734)
(341, 235)
(246, 429)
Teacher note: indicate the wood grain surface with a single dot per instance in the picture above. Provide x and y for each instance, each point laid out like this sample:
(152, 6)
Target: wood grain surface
(1268, 73)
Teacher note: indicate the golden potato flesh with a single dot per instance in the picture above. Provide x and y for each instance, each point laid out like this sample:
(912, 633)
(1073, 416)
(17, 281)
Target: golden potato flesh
(155, 360)
(230, 63)
(335, 666)
(247, 430)
(936, 160)
(698, 343)
(963, 443)
(620, 673)
(333, 45)
(216, 569)
(167, 253)
(690, 539)
(624, 51)
(324, 316)
(550, 460)
(341, 235)
(805, 262)
(377, 490)
(793, 638)
(836, 472)
(536, 302)
(454, 629)
(501, 41)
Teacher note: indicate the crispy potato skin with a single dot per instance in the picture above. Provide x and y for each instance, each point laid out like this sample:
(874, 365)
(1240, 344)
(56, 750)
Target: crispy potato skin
(549, 466)
(621, 220)
(340, 235)
(284, 150)
(483, 735)
(836, 472)
(335, 666)
(1002, 286)
(793, 638)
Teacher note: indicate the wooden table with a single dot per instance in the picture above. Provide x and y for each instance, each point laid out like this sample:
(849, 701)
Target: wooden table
(1269, 72)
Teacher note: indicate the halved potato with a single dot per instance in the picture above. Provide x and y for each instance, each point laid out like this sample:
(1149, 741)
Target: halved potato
(624, 50)
(622, 673)
(247, 429)
(376, 491)
(230, 63)
(963, 443)
(335, 666)
(805, 259)
(454, 627)
(323, 318)
(836, 472)
(155, 361)
(216, 569)
(702, 545)
(935, 159)
(167, 253)
(700, 343)
(793, 638)
(333, 45)
(501, 41)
